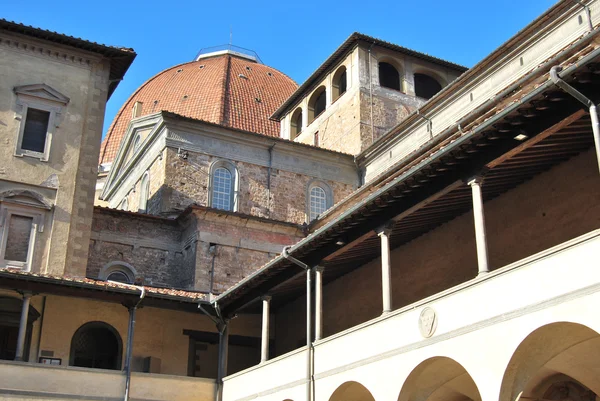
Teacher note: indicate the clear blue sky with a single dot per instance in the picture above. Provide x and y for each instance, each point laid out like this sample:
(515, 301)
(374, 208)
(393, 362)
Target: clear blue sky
(293, 37)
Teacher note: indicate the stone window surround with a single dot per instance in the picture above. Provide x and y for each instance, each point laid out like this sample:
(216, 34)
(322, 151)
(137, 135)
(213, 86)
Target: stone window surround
(41, 97)
(235, 178)
(118, 266)
(8, 209)
(144, 193)
(328, 194)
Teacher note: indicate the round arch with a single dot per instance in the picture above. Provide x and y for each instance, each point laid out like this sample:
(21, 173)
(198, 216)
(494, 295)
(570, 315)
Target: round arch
(115, 267)
(351, 391)
(558, 358)
(317, 103)
(339, 83)
(96, 345)
(439, 379)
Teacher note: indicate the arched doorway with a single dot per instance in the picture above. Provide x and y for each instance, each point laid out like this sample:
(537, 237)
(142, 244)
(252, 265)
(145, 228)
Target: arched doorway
(439, 379)
(10, 318)
(351, 391)
(556, 362)
(96, 345)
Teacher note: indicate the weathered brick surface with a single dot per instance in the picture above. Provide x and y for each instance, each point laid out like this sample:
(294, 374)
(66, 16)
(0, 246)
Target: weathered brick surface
(187, 182)
(177, 253)
(151, 246)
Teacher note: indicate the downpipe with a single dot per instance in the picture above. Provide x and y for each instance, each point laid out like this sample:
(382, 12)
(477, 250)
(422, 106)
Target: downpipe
(310, 378)
(554, 76)
(130, 332)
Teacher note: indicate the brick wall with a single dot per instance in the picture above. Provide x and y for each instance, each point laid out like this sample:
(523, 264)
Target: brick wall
(186, 182)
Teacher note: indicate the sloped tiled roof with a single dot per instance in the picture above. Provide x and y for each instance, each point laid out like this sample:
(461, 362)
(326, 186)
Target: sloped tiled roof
(158, 292)
(225, 90)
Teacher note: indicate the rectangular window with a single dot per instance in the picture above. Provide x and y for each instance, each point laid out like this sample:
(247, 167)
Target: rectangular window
(36, 128)
(18, 238)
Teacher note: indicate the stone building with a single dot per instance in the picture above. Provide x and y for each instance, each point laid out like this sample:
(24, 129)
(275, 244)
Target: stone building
(395, 228)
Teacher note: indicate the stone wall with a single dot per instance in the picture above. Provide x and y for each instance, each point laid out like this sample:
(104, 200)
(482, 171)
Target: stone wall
(72, 161)
(177, 252)
(552, 208)
(151, 245)
(187, 183)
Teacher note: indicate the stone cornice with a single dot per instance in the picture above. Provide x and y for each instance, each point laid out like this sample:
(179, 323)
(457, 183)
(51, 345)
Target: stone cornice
(38, 48)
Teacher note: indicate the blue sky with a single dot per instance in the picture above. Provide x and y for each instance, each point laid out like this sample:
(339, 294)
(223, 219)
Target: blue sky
(293, 37)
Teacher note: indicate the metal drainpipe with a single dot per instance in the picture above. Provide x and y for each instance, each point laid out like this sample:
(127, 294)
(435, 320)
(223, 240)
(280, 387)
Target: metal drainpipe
(429, 123)
(309, 359)
(583, 99)
(130, 337)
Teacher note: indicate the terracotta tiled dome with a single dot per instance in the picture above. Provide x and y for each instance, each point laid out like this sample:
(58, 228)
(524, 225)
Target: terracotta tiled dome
(224, 89)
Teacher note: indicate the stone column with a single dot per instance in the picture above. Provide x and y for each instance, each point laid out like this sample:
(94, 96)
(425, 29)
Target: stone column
(386, 268)
(318, 303)
(264, 350)
(23, 327)
(478, 215)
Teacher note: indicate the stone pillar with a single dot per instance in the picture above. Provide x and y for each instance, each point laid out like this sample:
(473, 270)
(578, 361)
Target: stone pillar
(318, 303)
(386, 268)
(264, 350)
(23, 327)
(478, 215)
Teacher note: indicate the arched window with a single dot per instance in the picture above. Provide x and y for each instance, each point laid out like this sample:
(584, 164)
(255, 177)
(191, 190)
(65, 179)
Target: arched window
(118, 271)
(339, 83)
(223, 186)
(144, 192)
(389, 76)
(426, 86)
(319, 199)
(317, 103)
(296, 123)
(96, 345)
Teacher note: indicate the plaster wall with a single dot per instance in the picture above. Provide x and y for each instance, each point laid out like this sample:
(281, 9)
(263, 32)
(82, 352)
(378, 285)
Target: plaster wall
(22, 381)
(158, 332)
(543, 212)
(546, 330)
(74, 149)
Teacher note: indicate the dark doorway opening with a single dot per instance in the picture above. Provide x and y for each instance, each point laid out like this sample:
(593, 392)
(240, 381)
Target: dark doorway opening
(96, 345)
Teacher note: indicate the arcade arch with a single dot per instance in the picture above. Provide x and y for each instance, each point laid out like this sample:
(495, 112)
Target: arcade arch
(557, 362)
(439, 379)
(351, 391)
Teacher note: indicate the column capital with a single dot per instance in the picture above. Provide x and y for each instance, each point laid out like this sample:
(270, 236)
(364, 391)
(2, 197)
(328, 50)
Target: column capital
(319, 268)
(475, 180)
(266, 298)
(385, 229)
(26, 294)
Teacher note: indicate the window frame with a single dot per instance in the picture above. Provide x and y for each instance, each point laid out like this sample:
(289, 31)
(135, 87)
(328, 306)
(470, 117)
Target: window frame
(336, 87)
(234, 183)
(43, 98)
(399, 72)
(328, 197)
(7, 210)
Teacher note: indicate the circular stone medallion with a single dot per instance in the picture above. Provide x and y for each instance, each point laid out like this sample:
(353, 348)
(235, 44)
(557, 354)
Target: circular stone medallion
(427, 322)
